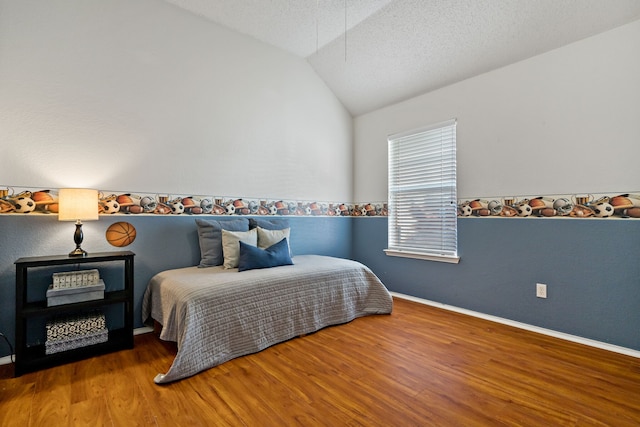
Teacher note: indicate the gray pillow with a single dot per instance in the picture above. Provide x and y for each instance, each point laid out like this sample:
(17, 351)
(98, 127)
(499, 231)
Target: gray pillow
(210, 238)
(269, 224)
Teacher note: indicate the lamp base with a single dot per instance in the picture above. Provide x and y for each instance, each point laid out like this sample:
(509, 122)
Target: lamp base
(78, 252)
(77, 238)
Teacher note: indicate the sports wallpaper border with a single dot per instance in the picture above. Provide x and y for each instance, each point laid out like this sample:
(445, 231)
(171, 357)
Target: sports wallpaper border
(620, 205)
(15, 200)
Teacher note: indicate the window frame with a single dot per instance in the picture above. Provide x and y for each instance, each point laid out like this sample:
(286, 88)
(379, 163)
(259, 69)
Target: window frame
(442, 185)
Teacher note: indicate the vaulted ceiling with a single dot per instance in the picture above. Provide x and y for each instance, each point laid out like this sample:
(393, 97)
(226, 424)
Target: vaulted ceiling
(373, 53)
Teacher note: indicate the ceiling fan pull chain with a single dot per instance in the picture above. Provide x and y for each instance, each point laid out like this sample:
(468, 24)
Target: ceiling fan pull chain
(345, 30)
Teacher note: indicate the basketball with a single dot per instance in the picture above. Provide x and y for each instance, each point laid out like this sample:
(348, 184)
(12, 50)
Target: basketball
(121, 234)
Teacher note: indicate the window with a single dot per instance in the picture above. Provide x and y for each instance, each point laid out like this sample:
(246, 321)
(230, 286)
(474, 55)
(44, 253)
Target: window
(422, 193)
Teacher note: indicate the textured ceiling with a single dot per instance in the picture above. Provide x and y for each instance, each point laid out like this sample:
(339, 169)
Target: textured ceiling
(396, 49)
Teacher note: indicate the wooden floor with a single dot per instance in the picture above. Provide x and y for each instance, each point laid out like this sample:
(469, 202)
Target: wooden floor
(420, 366)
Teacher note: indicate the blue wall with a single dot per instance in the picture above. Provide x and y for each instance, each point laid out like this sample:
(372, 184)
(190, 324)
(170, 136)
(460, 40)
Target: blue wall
(591, 267)
(162, 242)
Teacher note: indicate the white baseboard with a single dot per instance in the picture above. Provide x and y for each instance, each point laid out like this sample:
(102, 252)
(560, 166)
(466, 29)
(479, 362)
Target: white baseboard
(144, 330)
(525, 326)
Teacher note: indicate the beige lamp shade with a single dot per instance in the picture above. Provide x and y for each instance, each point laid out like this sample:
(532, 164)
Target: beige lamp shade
(77, 204)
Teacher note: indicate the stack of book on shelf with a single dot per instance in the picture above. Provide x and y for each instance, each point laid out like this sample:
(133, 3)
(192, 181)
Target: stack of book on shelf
(75, 286)
(69, 332)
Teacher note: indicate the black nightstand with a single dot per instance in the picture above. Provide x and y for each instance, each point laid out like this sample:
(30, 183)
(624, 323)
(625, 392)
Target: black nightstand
(33, 357)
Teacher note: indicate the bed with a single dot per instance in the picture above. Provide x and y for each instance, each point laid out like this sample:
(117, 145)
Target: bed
(218, 313)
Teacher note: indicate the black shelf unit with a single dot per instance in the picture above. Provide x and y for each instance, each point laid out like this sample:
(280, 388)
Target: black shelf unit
(32, 358)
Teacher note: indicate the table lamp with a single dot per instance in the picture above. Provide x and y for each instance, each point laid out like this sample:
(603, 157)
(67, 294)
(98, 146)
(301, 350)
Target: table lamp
(77, 204)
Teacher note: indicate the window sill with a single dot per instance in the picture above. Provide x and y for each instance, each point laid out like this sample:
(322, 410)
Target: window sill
(418, 255)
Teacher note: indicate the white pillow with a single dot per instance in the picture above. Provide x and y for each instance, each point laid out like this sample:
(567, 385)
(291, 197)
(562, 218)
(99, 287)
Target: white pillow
(231, 245)
(268, 238)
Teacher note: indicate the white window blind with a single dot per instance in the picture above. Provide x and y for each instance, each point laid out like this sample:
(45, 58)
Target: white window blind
(422, 193)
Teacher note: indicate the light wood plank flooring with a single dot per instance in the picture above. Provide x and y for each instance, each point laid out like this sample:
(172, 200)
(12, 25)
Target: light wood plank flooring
(420, 366)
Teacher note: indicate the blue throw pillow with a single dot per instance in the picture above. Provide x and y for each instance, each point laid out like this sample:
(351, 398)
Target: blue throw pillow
(252, 257)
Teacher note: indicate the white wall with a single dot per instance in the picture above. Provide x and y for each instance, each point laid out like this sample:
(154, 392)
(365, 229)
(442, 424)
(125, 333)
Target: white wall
(143, 96)
(564, 122)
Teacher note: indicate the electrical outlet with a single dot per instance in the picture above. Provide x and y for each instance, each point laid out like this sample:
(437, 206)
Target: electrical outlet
(541, 290)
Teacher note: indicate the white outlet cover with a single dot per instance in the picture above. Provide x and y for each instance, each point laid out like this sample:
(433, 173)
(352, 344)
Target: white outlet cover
(541, 290)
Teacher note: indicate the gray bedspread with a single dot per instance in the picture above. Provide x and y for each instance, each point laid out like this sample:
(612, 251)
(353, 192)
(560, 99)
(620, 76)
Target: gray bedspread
(215, 315)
